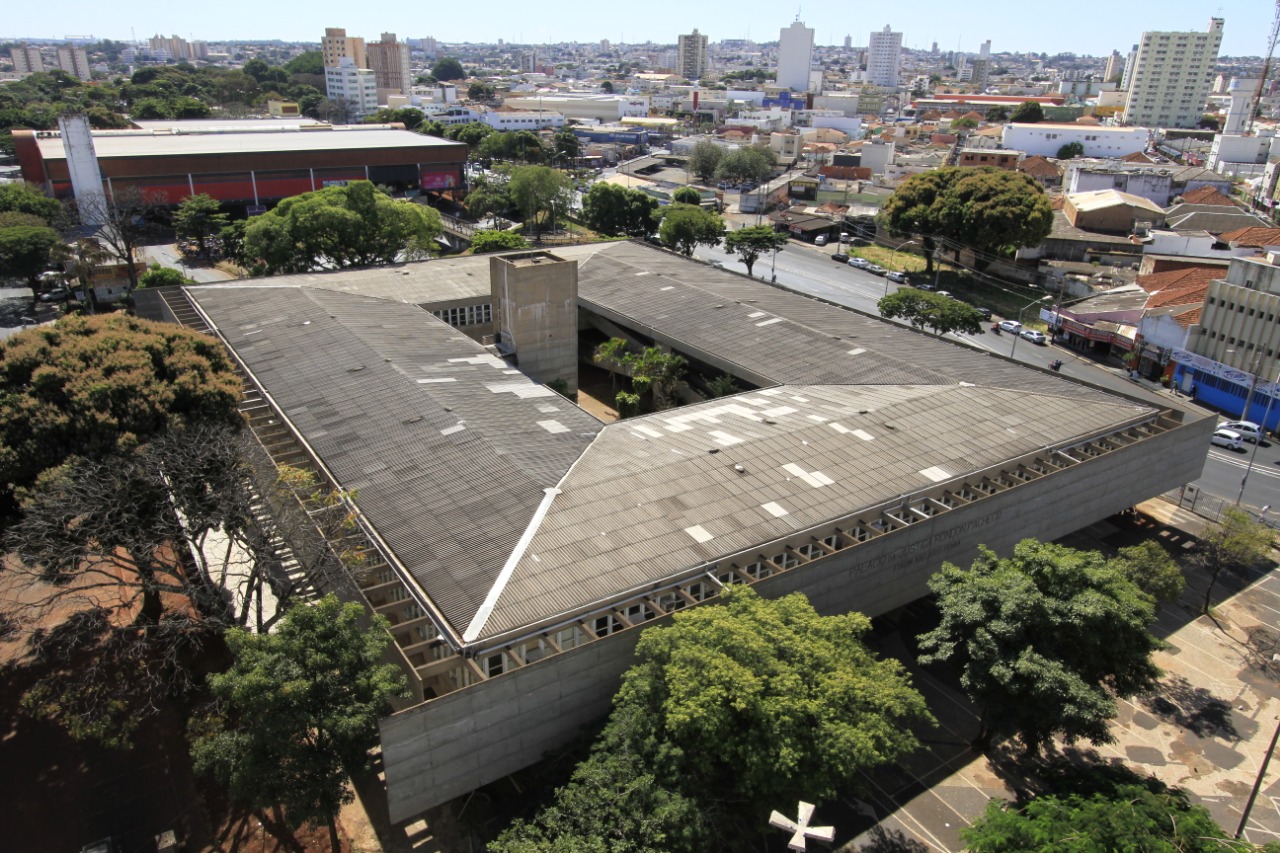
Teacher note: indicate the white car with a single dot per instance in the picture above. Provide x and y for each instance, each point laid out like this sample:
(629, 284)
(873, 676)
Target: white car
(1248, 430)
(1227, 438)
(860, 263)
(1010, 326)
(1035, 336)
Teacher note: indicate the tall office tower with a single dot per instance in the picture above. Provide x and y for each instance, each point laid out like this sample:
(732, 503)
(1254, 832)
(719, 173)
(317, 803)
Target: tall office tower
(336, 45)
(26, 59)
(173, 47)
(848, 42)
(1129, 61)
(74, 61)
(984, 52)
(355, 87)
(691, 55)
(1171, 77)
(389, 61)
(884, 57)
(795, 57)
(1115, 67)
(527, 60)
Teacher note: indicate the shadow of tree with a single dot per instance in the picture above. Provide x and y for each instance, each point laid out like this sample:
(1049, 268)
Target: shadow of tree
(1192, 708)
(891, 841)
(1262, 648)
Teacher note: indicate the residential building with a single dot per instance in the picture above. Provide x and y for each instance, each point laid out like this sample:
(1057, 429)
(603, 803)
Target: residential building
(527, 61)
(1047, 138)
(521, 120)
(75, 61)
(337, 45)
(26, 59)
(795, 57)
(884, 58)
(989, 158)
(691, 55)
(389, 62)
(584, 106)
(1171, 77)
(355, 87)
(1110, 211)
(173, 47)
(1114, 67)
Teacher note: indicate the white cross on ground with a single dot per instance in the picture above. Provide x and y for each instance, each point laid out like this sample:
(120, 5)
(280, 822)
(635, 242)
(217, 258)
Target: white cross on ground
(801, 829)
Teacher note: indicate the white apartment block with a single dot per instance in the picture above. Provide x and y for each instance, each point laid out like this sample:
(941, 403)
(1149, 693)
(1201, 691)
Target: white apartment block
(356, 87)
(389, 62)
(522, 120)
(1171, 76)
(336, 45)
(74, 61)
(691, 55)
(884, 58)
(795, 57)
(26, 59)
(1046, 138)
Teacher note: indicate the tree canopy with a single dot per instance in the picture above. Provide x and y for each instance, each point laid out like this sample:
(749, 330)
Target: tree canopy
(752, 163)
(25, 251)
(705, 158)
(538, 191)
(1045, 641)
(198, 219)
(28, 198)
(613, 210)
(484, 242)
(753, 241)
(447, 69)
(991, 210)
(687, 195)
(936, 311)
(1238, 541)
(298, 710)
(685, 227)
(338, 227)
(728, 712)
(1028, 112)
(1070, 151)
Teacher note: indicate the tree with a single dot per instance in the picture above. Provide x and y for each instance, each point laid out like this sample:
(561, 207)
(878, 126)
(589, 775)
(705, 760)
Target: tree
(480, 92)
(158, 276)
(298, 711)
(1070, 151)
(752, 242)
(964, 124)
(28, 198)
(997, 115)
(1028, 112)
(311, 62)
(125, 221)
(990, 210)
(728, 712)
(567, 147)
(199, 218)
(685, 227)
(538, 191)
(232, 238)
(518, 146)
(483, 242)
(687, 195)
(611, 209)
(470, 134)
(447, 69)
(940, 313)
(490, 194)
(607, 87)
(706, 158)
(25, 251)
(339, 227)
(1045, 641)
(745, 164)
(1152, 570)
(658, 371)
(1236, 542)
(613, 355)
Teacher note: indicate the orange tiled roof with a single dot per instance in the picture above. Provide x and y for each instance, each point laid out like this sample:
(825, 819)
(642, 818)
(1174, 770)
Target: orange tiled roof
(1179, 287)
(1254, 235)
(1039, 167)
(1137, 157)
(1189, 318)
(1207, 195)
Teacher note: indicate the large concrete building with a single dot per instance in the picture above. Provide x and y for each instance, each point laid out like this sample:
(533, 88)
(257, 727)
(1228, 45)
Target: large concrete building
(247, 163)
(26, 59)
(518, 545)
(884, 58)
(691, 55)
(354, 87)
(75, 61)
(795, 57)
(337, 45)
(1171, 76)
(389, 61)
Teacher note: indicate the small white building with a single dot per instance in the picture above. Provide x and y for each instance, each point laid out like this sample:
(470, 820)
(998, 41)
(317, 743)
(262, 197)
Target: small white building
(522, 120)
(1046, 138)
(356, 87)
(1237, 154)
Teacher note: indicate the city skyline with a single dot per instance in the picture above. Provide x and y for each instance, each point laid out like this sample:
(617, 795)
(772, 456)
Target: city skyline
(1092, 28)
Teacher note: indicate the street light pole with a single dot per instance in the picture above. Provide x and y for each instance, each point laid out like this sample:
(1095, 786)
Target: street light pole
(1018, 333)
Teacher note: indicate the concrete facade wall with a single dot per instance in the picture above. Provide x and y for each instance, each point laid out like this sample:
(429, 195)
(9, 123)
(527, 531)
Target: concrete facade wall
(451, 745)
(535, 302)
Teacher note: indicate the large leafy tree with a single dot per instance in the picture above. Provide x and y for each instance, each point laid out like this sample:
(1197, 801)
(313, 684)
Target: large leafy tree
(705, 158)
(1029, 112)
(298, 711)
(199, 218)
(753, 241)
(538, 192)
(685, 227)
(729, 712)
(447, 68)
(1045, 641)
(935, 311)
(1238, 541)
(991, 210)
(517, 146)
(611, 209)
(484, 242)
(25, 251)
(126, 219)
(28, 198)
(337, 227)
(753, 163)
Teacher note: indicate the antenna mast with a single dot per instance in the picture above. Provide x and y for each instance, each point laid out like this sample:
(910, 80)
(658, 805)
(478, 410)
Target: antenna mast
(1266, 68)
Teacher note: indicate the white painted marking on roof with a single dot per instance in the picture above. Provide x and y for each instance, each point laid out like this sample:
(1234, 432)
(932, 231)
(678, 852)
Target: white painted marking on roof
(491, 600)
(451, 430)
(823, 479)
(547, 408)
(553, 426)
(649, 431)
(774, 509)
(536, 558)
(668, 287)
(643, 272)
(840, 428)
(864, 435)
(699, 533)
(724, 438)
(779, 412)
(678, 426)
(770, 322)
(815, 478)
(819, 418)
(801, 399)
(936, 474)
(491, 360)
(523, 390)
(770, 392)
(433, 381)
(967, 385)
(794, 470)
(512, 372)
(755, 314)
(858, 351)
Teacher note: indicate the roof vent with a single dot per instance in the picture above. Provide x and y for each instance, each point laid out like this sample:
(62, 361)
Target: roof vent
(739, 469)
(713, 450)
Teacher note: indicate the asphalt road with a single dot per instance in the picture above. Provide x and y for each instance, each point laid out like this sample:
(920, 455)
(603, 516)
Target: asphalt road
(169, 256)
(810, 270)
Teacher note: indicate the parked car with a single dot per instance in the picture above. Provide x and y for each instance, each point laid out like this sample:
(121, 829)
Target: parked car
(57, 294)
(820, 240)
(1035, 336)
(899, 277)
(984, 312)
(946, 293)
(1248, 430)
(1227, 438)
(876, 269)
(926, 286)
(860, 263)
(840, 258)
(844, 238)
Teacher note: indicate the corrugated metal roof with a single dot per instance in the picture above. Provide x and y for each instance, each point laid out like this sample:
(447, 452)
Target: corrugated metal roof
(158, 144)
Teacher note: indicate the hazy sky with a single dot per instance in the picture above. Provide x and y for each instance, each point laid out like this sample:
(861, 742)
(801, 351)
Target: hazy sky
(1084, 26)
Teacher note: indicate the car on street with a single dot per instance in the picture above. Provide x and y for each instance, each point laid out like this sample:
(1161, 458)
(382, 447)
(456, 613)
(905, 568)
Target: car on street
(820, 240)
(926, 286)
(1227, 438)
(1010, 326)
(899, 277)
(1035, 336)
(985, 313)
(57, 294)
(946, 293)
(840, 258)
(860, 263)
(844, 238)
(1248, 430)
(876, 269)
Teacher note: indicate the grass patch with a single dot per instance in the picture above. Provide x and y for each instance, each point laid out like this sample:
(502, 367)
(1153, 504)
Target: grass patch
(890, 259)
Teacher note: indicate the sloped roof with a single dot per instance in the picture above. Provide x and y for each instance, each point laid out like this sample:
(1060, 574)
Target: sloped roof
(1254, 235)
(1179, 287)
(1207, 195)
(1101, 199)
(1139, 157)
(1040, 167)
